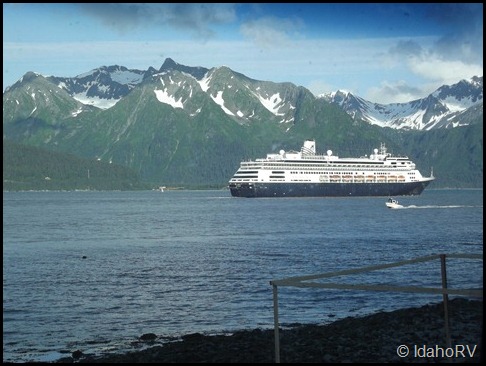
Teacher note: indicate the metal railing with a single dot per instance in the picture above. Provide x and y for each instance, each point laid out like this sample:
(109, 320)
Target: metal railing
(302, 281)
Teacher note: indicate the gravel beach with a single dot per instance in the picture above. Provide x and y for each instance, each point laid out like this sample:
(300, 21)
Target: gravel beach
(418, 334)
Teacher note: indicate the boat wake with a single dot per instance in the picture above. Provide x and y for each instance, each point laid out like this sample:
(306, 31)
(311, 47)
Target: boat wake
(437, 206)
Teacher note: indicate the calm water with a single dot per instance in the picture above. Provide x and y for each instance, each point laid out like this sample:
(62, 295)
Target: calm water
(180, 262)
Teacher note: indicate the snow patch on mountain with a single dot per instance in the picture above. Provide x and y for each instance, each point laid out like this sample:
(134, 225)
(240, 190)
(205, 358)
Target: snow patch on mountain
(96, 101)
(76, 112)
(102, 87)
(86, 74)
(272, 103)
(163, 96)
(218, 99)
(126, 77)
(455, 105)
(204, 83)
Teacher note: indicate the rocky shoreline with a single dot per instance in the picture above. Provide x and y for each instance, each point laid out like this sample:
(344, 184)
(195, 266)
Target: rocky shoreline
(376, 338)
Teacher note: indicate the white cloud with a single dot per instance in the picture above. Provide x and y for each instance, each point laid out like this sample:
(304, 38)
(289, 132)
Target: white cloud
(198, 18)
(270, 31)
(394, 92)
(443, 71)
(429, 64)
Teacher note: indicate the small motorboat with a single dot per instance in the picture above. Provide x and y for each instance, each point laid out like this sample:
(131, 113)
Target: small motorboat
(393, 203)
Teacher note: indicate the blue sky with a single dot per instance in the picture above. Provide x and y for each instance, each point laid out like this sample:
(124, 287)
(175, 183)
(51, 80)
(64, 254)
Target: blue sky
(384, 53)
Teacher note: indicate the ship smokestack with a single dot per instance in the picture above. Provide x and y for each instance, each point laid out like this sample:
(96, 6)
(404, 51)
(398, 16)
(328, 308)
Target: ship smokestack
(309, 147)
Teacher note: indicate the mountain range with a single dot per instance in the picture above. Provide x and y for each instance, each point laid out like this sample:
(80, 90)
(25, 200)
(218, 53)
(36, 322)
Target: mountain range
(191, 126)
(448, 107)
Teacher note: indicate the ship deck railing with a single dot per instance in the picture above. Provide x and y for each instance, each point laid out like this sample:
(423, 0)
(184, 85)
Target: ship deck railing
(303, 281)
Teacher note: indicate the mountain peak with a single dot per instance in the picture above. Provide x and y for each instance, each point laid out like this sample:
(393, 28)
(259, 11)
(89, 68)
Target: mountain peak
(197, 72)
(169, 64)
(28, 77)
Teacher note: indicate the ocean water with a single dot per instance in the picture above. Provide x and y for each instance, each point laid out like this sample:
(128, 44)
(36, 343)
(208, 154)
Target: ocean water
(95, 270)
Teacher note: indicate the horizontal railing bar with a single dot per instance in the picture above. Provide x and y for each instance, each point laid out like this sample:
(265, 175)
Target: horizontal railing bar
(431, 290)
(356, 270)
(286, 281)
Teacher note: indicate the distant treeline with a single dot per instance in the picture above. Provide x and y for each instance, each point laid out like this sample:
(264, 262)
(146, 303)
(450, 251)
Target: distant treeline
(33, 168)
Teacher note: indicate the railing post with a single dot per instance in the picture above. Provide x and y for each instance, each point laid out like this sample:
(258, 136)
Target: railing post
(275, 323)
(445, 299)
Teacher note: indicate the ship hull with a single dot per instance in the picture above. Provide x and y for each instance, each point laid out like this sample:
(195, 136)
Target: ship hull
(327, 189)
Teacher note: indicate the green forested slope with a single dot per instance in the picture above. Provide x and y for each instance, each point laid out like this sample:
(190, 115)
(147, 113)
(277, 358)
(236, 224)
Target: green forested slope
(33, 168)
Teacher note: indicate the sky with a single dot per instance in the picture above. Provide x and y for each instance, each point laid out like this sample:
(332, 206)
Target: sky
(384, 53)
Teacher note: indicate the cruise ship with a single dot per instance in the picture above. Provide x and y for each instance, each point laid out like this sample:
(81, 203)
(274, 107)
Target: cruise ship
(304, 173)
